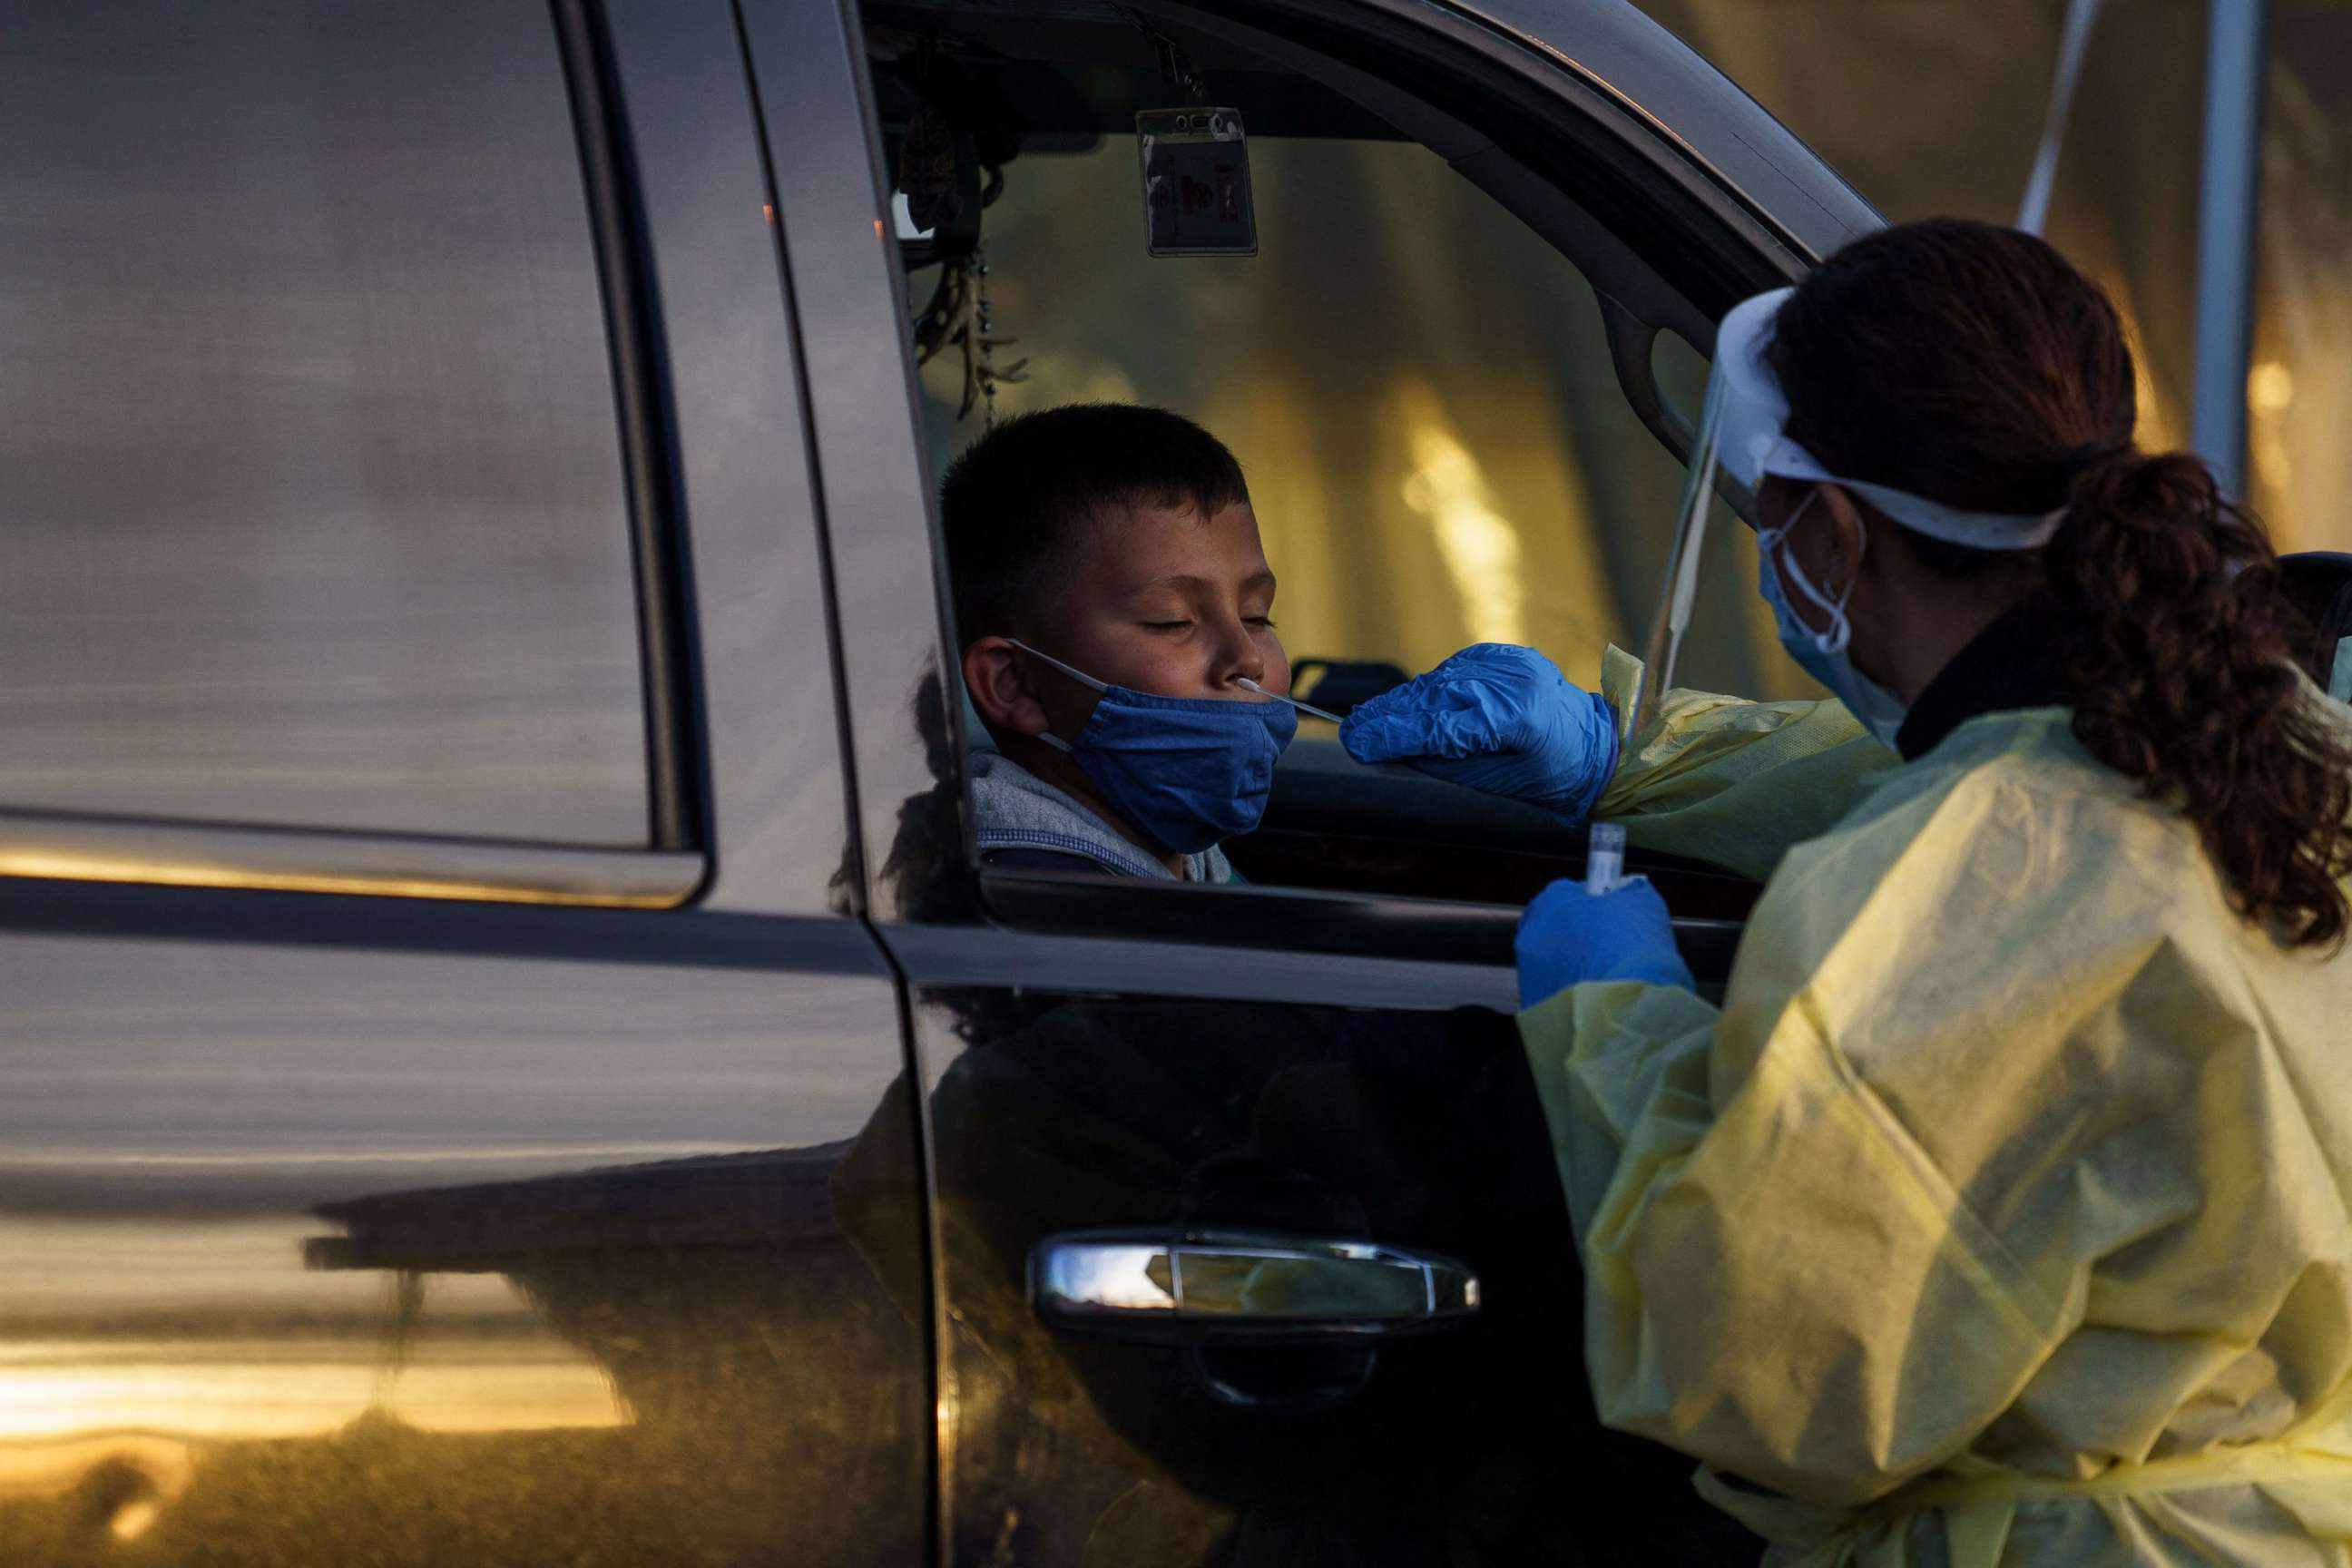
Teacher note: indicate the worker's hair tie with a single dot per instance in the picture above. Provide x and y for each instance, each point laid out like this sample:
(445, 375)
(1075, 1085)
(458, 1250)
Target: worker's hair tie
(2089, 456)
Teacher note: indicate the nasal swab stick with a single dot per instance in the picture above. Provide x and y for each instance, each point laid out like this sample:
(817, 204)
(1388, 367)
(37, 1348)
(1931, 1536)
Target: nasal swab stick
(1247, 684)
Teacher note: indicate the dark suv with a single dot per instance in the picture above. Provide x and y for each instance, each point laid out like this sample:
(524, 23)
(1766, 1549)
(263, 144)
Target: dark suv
(508, 1056)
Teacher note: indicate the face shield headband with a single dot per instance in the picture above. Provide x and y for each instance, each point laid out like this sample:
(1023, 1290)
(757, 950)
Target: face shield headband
(1749, 440)
(1743, 432)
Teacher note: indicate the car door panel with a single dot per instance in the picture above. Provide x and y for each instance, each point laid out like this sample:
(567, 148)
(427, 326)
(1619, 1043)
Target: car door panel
(341, 1252)
(1061, 1112)
(351, 1226)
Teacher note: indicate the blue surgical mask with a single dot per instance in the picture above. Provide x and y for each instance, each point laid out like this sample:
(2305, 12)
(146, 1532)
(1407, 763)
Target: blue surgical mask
(1822, 655)
(1188, 772)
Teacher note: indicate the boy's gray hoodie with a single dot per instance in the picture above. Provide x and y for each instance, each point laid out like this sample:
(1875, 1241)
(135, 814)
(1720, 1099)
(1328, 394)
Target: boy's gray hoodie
(1014, 811)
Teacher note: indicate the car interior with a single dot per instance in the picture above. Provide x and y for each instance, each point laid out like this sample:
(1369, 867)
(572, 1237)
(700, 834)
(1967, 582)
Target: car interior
(990, 115)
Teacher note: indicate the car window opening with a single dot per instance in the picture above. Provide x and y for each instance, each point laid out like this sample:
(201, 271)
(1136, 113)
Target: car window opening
(1418, 388)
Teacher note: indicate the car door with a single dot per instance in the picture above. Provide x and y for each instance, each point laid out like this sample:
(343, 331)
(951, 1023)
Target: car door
(435, 1001)
(1248, 1246)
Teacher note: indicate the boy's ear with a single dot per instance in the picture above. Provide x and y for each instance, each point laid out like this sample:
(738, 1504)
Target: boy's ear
(998, 682)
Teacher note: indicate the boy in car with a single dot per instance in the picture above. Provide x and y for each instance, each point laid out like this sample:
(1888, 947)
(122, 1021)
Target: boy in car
(1112, 596)
(1115, 610)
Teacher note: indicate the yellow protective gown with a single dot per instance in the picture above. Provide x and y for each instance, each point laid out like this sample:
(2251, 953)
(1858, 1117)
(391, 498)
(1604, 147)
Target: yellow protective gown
(2002, 1215)
(1730, 782)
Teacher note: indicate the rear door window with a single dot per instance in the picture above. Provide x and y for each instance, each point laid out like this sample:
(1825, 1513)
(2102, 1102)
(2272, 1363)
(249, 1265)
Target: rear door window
(311, 502)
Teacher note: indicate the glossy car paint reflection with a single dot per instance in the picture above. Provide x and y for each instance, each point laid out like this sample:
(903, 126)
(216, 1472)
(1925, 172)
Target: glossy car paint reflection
(313, 503)
(770, 722)
(851, 308)
(480, 1360)
(315, 1254)
(1062, 1113)
(1055, 1113)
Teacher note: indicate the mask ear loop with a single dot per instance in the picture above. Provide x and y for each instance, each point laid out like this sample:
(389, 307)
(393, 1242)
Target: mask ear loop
(1841, 632)
(1081, 677)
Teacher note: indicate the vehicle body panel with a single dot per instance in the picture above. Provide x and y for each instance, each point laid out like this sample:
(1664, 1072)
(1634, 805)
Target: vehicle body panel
(338, 1226)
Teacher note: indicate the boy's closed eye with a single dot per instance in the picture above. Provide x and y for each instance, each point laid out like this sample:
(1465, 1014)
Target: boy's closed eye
(1266, 621)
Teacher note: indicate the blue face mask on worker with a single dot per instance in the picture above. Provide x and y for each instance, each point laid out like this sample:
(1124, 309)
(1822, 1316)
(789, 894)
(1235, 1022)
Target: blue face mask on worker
(1745, 428)
(1187, 771)
(1822, 655)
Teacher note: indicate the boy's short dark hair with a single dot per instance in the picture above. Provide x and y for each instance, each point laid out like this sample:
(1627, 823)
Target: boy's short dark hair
(1022, 498)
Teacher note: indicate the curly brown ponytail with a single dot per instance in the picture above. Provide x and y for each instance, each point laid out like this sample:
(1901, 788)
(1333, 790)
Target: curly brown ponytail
(2181, 660)
(1972, 364)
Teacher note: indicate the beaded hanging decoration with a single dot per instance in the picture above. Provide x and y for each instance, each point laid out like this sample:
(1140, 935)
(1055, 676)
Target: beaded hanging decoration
(959, 316)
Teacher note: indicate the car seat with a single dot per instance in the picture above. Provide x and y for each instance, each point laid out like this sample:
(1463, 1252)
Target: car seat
(2320, 582)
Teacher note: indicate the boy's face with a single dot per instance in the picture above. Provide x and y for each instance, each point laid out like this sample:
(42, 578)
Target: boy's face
(1157, 600)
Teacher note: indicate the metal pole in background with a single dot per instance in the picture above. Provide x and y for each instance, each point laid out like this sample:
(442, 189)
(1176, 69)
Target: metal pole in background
(2074, 42)
(2227, 197)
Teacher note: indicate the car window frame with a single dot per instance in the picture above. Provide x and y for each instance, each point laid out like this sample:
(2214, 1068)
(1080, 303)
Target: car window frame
(881, 601)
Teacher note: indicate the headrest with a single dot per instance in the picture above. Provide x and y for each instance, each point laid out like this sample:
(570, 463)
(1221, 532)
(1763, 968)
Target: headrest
(2320, 582)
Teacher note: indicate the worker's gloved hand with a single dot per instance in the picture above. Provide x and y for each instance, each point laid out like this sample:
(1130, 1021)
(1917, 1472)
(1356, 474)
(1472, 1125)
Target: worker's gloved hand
(1569, 936)
(1498, 719)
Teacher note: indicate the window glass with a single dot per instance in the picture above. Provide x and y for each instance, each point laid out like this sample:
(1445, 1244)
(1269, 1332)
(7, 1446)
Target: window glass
(311, 509)
(1417, 384)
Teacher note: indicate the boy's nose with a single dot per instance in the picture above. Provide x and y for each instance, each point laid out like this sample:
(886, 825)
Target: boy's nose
(1239, 658)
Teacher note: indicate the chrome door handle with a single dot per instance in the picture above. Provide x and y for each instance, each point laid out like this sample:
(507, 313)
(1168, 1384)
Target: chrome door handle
(1234, 1286)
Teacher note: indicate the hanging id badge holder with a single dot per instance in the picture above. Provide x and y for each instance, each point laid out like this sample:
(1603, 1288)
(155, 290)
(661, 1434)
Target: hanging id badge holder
(1196, 184)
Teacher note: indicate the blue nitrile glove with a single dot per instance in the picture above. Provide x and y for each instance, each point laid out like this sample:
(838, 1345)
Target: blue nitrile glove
(1498, 719)
(1568, 936)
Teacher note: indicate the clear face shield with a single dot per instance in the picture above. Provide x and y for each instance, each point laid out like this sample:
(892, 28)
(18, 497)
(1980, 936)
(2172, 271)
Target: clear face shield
(1742, 437)
(1742, 414)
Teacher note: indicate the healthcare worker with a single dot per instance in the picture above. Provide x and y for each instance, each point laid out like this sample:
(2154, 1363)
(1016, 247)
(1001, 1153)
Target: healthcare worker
(2002, 1214)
